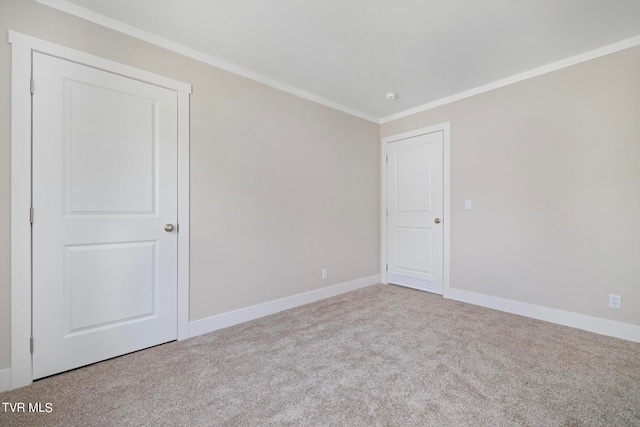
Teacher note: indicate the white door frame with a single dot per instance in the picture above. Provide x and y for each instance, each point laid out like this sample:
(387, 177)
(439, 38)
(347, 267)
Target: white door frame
(445, 129)
(22, 47)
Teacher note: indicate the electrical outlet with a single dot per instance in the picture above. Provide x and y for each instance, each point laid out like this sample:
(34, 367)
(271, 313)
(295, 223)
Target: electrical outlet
(325, 273)
(615, 301)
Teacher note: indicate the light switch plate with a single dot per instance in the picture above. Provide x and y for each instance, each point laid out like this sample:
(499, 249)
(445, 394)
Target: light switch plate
(467, 204)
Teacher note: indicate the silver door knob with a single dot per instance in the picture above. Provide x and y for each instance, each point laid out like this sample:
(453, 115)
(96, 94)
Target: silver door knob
(168, 228)
(437, 221)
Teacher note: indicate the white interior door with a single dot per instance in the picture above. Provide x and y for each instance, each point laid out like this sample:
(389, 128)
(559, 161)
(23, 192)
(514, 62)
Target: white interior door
(104, 186)
(415, 203)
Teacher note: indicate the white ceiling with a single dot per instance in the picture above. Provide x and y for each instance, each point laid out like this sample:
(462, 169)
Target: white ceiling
(349, 53)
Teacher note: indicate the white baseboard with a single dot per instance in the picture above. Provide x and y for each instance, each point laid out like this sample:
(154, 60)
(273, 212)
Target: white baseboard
(224, 320)
(5, 379)
(625, 331)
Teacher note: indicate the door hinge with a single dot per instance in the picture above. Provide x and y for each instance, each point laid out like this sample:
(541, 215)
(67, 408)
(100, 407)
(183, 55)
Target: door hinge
(387, 267)
(387, 154)
(31, 344)
(32, 85)
(31, 215)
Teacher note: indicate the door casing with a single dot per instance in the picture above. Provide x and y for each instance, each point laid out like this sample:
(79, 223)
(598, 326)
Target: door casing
(445, 128)
(22, 47)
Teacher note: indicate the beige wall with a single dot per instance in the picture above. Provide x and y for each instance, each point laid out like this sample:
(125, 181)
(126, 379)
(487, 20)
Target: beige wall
(281, 187)
(552, 165)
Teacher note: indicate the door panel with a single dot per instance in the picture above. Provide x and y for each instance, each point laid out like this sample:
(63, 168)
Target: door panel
(415, 193)
(119, 133)
(413, 249)
(413, 180)
(104, 186)
(102, 287)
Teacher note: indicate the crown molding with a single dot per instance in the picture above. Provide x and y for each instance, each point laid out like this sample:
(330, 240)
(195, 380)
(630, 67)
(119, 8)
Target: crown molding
(97, 18)
(554, 66)
(83, 13)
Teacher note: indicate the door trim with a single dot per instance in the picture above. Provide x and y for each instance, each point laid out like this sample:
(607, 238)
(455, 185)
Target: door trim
(22, 47)
(445, 129)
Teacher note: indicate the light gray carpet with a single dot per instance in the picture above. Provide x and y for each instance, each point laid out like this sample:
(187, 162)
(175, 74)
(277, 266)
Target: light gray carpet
(379, 356)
